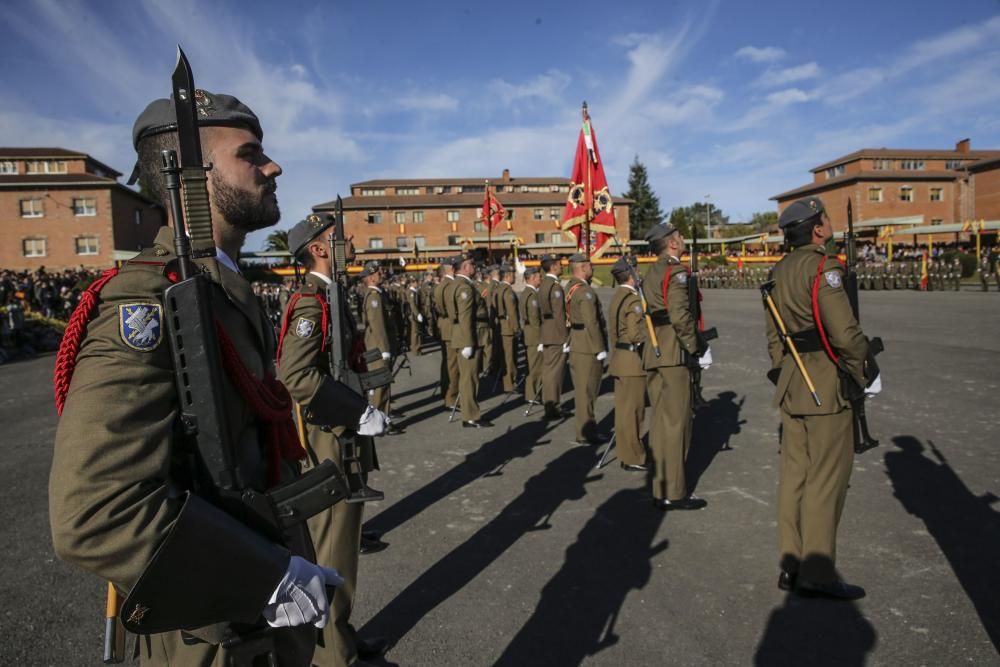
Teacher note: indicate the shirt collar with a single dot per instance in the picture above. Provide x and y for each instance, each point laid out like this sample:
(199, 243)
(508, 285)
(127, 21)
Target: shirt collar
(326, 279)
(630, 287)
(553, 276)
(222, 258)
(462, 275)
(532, 287)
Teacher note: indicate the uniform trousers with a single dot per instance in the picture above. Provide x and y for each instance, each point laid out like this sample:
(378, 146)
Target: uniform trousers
(585, 370)
(414, 337)
(468, 383)
(486, 356)
(449, 373)
(630, 411)
(509, 362)
(817, 455)
(554, 361)
(533, 381)
(669, 429)
(380, 396)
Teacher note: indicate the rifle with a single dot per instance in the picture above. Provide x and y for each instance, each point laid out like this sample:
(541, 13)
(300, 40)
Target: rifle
(114, 632)
(642, 298)
(786, 340)
(701, 334)
(863, 440)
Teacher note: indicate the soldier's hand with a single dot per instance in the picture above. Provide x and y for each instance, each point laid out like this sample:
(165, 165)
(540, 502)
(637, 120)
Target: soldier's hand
(602, 355)
(386, 356)
(875, 388)
(467, 352)
(420, 318)
(301, 596)
(373, 422)
(705, 360)
(541, 347)
(565, 348)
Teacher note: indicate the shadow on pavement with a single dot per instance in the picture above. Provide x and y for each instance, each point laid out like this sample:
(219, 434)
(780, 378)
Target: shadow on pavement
(964, 525)
(563, 479)
(579, 606)
(714, 425)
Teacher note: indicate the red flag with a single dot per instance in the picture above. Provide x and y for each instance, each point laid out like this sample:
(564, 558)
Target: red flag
(588, 191)
(493, 210)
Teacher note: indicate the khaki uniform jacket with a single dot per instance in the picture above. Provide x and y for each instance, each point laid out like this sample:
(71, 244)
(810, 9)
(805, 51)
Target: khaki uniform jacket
(679, 335)
(507, 310)
(553, 307)
(442, 299)
(793, 278)
(464, 307)
(531, 316)
(117, 488)
(588, 331)
(377, 331)
(626, 326)
(427, 302)
(413, 300)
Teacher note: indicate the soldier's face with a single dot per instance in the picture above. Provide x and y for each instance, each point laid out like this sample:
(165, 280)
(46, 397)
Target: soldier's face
(243, 181)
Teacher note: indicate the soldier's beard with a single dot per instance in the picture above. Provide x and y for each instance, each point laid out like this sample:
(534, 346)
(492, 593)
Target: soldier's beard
(246, 210)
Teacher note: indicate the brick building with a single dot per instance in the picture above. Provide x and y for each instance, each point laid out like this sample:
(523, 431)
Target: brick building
(63, 209)
(438, 216)
(904, 186)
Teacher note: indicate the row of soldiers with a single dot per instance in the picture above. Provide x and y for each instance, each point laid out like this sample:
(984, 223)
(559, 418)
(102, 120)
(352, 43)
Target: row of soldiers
(942, 275)
(733, 277)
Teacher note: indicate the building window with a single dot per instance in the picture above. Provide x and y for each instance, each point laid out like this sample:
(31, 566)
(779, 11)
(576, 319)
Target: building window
(478, 226)
(906, 193)
(408, 191)
(875, 194)
(912, 165)
(429, 189)
(443, 189)
(937, 221)
(554, 188)
(539, 237)
(85, 206)
(32, 208)
(834, 172)
(419, 242)
(554, 214)
(372, 192)
(400, 217)
(953, 164)
(937, 194)
(137, 216)
(402, 242)
(33, 247)
(45, 167)
(557, 237)
(473, 188)
(86, 245)
(882, 165)
(538, 214)
(453, 216)
(418, 216)
(8, 167)
(374, 218)
(453, 239)
(375, 243)
(498, 188)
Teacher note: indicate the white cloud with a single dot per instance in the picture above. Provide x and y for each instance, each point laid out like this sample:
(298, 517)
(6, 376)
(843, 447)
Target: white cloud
(547, 87)
(766, 54)
(428, 102)
(788, 96)
(783, 77)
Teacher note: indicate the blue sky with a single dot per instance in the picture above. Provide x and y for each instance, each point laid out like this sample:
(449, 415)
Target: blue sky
(733, 99)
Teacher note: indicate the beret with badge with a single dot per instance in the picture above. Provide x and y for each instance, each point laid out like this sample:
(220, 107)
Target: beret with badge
(799, 211)
(305, 231)
(213, 110)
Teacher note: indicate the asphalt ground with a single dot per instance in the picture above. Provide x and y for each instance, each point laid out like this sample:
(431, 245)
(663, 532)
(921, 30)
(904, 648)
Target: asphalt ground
(507, 546)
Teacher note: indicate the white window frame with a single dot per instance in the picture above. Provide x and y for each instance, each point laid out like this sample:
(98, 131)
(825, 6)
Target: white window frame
(939, 191)
(454, 216)
(418, 217)
(906, 189)
(874, 190)
(375, 243)
(8, 167)
(538, 214)
(41, 239)
(40, 213)
(86, 214)
(400, 217)
(97, 245)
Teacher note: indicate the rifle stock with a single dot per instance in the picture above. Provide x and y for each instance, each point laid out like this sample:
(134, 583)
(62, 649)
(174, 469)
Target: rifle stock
(650, 331)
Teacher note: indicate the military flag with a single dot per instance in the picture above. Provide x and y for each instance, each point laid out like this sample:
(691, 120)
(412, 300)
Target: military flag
(589, 212)
(493, 211)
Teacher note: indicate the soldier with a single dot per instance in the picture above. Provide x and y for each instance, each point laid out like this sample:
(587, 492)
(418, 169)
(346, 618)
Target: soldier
(555, 335)
(304, 365)
(449, 360)
(984, 270)
(427, 315)
(413, 312)
(816, 442)
(956, 274)
(890, 275)
(377, 334)
(996, 266)
(485, 281)
(668, 377)
(588, 345)
(468, 311)
(509, 329)
(121, 502)
(531, 317)
(627, 334)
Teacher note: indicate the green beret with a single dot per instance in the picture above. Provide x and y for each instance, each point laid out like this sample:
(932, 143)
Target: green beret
(621, 266)
(306, 230)
(578, 258)
(660, 231)
(371, 266)
(801, 210)
(213, 110)
(530, 271)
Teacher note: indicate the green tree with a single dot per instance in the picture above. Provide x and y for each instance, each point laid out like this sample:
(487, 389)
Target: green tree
(762, 220)
(277, 240)
(645, 212)
(685, 218)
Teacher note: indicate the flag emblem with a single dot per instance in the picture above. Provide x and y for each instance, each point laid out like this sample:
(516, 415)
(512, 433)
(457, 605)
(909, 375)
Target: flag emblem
(304, 328)
(139, 325)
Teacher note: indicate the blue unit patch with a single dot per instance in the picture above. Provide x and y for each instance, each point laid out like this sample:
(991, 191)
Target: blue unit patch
(140, 325)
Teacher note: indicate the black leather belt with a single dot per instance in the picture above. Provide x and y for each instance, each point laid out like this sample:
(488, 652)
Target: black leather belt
(578, 327)
(807, 341)
(547, 317)
(628, 346)
(659, 318)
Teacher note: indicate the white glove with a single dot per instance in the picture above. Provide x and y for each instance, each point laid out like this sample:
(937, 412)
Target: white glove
(705, 360)
(602, 355)
(467, 352)
(373, 422)
(565, 348)
(875, 388)
(386, 356)
(541, 347)
(420, 318)
(300, 597)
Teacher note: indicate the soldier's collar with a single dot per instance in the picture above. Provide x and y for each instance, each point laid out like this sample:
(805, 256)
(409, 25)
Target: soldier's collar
(326, 279)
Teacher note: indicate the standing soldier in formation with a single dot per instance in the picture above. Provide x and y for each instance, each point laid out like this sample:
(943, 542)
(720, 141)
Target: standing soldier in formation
(377, 333)
(468, 312)
(427, 313)
(915, 274)
(506, 311)
(996, 266)
(588, 346)
(304, 365)
(414, 313)
(531, 318)
(627, 334)
(449, 360)
(668, 377)
(984, 270)
(816, 442)
(555, 335)
(956, 274)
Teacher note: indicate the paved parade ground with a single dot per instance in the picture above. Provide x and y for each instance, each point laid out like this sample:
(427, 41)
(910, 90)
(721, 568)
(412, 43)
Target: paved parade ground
(507, 547)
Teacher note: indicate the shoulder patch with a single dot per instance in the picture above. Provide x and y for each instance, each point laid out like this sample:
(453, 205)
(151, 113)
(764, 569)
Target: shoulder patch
(139, 325)
(832, 279)
(589, 295)
(557, 292)
(373, 303)
(465, 294)
(638, 309)
(304, 327)
(682, 277)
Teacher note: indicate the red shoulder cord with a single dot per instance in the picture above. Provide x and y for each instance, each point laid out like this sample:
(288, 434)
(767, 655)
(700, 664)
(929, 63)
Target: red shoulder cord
(324, 322)
(665, 287)
(815, 308)
(267, 398)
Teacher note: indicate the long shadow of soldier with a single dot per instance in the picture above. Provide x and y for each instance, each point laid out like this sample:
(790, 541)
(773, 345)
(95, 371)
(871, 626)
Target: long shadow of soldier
(964, 525)
(487, 461)
(815, 632)
(563, 479)
(714, 424)
(576, 615)
(413, 390)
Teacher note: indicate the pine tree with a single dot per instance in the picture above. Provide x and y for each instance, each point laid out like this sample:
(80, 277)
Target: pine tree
(645, 212)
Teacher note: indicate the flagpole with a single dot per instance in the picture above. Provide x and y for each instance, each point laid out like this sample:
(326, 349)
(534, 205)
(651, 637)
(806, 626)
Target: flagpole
(489, 226)
(588, 197)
